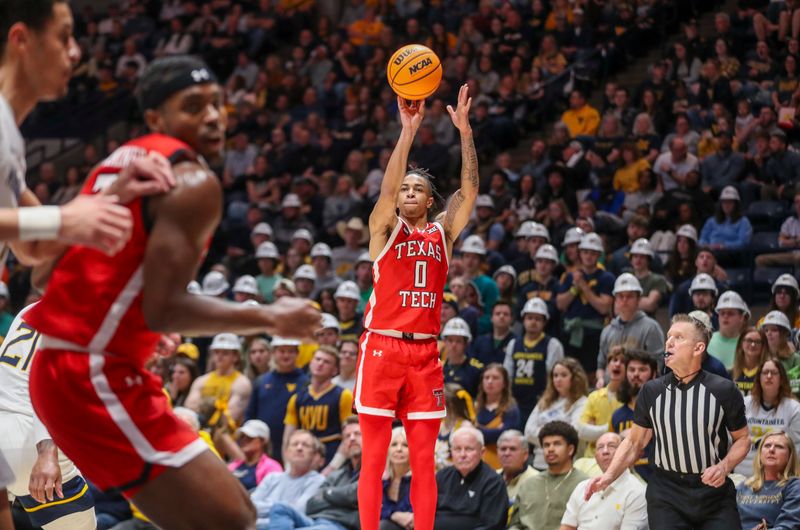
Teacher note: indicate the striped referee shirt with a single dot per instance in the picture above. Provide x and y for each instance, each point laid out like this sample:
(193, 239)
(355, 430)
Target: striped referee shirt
(690, 422)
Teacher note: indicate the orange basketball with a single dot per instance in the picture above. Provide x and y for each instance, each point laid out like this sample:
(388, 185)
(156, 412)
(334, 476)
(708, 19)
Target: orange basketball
(414, 72)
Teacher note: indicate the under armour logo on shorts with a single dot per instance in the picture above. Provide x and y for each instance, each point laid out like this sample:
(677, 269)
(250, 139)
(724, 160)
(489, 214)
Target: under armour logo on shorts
(377, 353)
(438, 395)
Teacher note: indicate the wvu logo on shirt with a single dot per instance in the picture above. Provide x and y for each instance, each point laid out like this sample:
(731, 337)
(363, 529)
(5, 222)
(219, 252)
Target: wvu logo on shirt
(314, 417)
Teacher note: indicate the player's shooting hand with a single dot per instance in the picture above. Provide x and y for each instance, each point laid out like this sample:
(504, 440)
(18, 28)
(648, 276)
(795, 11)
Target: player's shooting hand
(148, 175)
(96, 221)
(46, 476)
(294, 318)
(460, 115)
(411, 113)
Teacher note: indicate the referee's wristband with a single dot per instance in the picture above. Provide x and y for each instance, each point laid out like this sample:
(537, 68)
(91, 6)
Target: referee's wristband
(39, 223)
(574, 290)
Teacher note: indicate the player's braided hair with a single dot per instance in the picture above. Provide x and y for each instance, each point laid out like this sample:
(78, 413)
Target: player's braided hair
(438, 200)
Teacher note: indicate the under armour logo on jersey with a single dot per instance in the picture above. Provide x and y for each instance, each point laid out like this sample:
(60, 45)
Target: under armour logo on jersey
(130, 381)
(200, 75)
(377, 353)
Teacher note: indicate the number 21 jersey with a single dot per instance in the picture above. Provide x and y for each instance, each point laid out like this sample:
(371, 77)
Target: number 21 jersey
(408, 281)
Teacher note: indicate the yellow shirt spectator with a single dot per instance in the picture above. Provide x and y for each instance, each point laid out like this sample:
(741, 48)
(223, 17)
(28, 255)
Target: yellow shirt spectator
(626, 178)
(583, 121)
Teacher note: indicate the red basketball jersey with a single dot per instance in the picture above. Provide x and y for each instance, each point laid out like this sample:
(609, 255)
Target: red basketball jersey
(408, 281)
(95, 301)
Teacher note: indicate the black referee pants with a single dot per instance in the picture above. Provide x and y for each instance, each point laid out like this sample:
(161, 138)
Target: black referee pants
(678, 502)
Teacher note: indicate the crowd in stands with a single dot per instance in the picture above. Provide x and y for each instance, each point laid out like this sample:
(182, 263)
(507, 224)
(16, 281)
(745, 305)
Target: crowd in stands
(678, 195)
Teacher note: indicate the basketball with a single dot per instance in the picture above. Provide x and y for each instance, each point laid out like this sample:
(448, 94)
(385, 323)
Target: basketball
(414, 72)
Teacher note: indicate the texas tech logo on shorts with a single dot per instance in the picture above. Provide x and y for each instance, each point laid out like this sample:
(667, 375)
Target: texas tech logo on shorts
(438, 395)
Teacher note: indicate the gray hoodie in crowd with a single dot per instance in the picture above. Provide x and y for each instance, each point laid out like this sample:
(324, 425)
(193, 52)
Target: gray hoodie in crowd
(640, 332)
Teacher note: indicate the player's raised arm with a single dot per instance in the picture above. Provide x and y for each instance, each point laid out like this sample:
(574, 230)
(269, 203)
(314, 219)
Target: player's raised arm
(383, 215)
(460, 205)
(185, 219)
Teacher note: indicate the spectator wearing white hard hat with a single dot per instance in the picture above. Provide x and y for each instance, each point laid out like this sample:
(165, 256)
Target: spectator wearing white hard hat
(703, 291)
(473, 253)
(530, 355)
(506, 279)
(543, 284)
(225, 383)
(655, 288)
(785, 294)
(304, 280)
(705, 262)
(322, 262)
(290, 221)
(485, 224)
(459, 368)
(779, 343)
(733, 316)
(261, 233)
(619, 260)
(680, 266)
(215, 284)
(585, 301)
(267, 258)
(536, 235)
(272, 390)
(570, 255)
(355, 235)
(728, 229)
(631, 326)
(246, 288)
(347, 297)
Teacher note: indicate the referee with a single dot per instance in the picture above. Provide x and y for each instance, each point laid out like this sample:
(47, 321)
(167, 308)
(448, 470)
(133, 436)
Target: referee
(690, 412)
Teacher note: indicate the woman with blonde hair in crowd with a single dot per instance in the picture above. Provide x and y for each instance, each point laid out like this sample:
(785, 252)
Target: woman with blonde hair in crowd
(751, 352)
(396, 513)
(769, 407)
(460, 412)
(770, 498)
(258, 358)
(563, 399)
(496, 410)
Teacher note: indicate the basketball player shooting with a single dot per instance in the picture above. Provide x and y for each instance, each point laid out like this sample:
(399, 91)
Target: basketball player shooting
(399, 374)
(102, 316)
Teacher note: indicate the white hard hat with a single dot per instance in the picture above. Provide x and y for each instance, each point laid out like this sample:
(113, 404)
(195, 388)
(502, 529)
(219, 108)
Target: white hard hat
(525, 229)
(642, 246)
(687, 231)
(364, 258)
(246, 284)
(329, 321)
(627, 283)
(573, 235)
(321, 249)
(348, 289)
(484, 201)
(283, 341)
(786, 280)
(777, 318)
(703, 282)
(506, 269)
(539, 230)
(303, 233)
(291, 201)
(457, 327)
(473, 245)
(225, 341)
(306, 272)
(267, 249)
(732, 300)
(591, 241)
(214, 283)
(194, 288)
(262, 229)
(536, 305)
(255, 429)
(547, 251)
(703, 318)
(729, 193)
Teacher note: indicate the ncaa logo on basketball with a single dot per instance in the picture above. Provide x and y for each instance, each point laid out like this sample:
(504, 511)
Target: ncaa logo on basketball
(413, 69)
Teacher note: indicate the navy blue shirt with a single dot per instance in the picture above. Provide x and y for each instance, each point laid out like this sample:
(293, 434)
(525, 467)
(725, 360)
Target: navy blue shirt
(271, 394)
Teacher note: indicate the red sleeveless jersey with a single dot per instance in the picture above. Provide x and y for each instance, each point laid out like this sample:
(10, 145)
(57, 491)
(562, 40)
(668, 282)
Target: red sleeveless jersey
(95, 301)
(408, 281)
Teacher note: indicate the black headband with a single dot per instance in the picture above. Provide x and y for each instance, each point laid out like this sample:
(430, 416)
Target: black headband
(180, 74)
